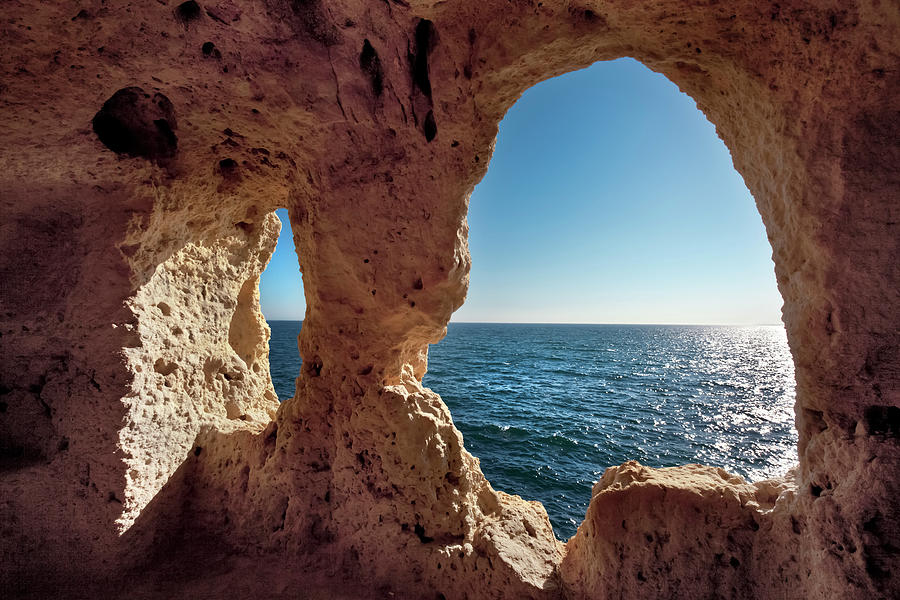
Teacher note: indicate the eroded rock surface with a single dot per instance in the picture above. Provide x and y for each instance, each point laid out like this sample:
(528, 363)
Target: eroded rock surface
(144, 452)
(678, 516)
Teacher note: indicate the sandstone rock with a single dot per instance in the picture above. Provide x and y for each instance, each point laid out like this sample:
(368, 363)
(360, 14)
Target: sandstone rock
(140, 451)
(680, 532)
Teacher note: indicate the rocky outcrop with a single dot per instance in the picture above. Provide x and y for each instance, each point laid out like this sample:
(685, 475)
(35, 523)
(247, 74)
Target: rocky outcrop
(145, 147)
(699, 530)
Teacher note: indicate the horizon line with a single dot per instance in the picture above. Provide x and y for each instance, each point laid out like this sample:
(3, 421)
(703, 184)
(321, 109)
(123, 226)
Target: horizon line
(589, 323)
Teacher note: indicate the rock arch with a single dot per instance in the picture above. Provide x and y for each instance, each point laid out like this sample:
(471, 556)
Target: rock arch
(372, 123)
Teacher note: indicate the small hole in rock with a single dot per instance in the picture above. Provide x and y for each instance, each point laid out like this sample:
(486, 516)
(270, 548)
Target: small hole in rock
(131, 122)
(430, 126)
(883, 421)
(163, 367)
(187, 11)
(371, 65)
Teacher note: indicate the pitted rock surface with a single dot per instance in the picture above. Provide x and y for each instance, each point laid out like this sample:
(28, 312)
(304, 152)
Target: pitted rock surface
(144, 451)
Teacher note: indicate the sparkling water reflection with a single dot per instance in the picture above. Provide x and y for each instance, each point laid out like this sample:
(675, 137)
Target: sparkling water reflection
(547, 408)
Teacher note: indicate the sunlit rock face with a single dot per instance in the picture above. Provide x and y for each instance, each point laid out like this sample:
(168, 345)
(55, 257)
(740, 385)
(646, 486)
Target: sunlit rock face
(145, 147)
(679, 517)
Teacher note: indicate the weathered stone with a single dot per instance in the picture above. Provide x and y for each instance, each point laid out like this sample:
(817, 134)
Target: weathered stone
(145, 453)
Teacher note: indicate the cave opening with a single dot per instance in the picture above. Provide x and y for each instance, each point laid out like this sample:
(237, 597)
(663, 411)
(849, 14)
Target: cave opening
(615, 312)
(283, 305)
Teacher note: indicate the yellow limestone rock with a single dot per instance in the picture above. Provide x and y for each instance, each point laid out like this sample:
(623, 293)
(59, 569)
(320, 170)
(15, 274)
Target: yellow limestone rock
(144, 149)
(680, 531)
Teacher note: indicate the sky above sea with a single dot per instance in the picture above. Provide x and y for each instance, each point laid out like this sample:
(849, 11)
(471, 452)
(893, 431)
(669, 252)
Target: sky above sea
(609, 199)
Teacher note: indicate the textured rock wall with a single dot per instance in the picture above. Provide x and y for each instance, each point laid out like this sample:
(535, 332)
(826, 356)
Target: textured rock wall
(145, 146)
(701, 532)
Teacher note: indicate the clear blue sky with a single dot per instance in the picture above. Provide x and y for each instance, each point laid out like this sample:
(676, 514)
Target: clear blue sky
(609, 199)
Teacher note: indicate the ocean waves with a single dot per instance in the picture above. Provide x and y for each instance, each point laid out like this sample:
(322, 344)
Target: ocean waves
(547, 408)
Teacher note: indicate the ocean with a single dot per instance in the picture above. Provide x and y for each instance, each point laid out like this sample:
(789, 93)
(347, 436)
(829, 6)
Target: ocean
(547, 408)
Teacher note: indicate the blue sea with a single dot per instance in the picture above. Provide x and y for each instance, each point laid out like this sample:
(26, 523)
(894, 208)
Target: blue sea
(547, 408)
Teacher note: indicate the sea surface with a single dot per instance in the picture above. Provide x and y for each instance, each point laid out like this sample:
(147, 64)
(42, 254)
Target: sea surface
(547, 408)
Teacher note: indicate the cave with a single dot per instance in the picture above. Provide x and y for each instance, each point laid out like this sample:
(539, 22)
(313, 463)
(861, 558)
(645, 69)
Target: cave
(144, 451)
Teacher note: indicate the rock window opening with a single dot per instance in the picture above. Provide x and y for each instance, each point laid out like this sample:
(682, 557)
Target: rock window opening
(633, 215)
(283, 305)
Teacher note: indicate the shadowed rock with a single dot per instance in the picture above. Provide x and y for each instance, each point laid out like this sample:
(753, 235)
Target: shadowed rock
(135, 123)
(132, 335)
